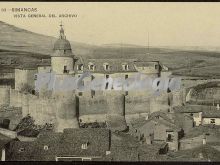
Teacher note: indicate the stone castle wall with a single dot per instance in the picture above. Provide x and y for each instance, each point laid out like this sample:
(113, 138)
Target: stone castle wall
(63, 111)
(160, 102)
(95, 108)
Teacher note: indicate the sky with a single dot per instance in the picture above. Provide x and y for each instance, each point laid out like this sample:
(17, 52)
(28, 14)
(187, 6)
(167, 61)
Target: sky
(168, 24)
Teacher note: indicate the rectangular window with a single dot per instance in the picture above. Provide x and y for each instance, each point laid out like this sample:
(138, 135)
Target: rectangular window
(35, 77)
(65, 69)
(169, 138)
(156, 66)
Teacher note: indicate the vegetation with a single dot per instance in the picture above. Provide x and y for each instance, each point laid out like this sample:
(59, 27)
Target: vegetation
(27, 127)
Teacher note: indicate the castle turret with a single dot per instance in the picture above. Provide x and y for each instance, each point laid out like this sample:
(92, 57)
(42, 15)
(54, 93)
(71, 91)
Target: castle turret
(62, 58)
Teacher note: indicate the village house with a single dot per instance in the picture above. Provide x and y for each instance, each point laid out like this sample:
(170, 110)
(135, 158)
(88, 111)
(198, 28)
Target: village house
(211, 117)
(157, 129)
(199, 136)
(201, 114)
(205, 153)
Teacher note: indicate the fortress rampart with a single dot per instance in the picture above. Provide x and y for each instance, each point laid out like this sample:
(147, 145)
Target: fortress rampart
(66, 111)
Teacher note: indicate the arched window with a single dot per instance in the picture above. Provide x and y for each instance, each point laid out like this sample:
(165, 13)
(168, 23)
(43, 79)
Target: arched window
(79, 67)
(91, 66)
(125, 66)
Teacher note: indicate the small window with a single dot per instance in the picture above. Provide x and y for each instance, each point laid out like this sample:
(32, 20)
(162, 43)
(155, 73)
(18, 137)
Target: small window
(92, 67)
(85, 146)
(125, 66)
(156, 66)
(79, 67)
(21, 150)
(35, 77)
(169, 138)
(46, 147)
(107, 76)
(126, 76)
(65, 69)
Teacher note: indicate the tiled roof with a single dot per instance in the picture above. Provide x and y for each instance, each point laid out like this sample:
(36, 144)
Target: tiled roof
(164, 120)
(160, 114)
(145, 63)
(211, 114)
(206, 151)
(115, 65)
(67, 143)
(193, 108)
(201, 130)
(138, 122)
(72, 139)
(123, 140)
(123, 148)
(116, 123)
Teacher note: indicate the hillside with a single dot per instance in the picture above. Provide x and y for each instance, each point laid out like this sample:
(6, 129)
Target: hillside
(17, 39)
(19, 43)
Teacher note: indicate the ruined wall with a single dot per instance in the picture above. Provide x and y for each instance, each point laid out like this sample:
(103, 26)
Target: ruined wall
(4, 96)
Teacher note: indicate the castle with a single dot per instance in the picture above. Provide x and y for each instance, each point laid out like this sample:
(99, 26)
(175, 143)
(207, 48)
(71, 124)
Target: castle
(72, 108)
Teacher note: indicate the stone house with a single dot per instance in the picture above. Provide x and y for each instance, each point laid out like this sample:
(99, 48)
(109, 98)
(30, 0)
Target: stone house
(195, 111)
(157, 130)
(211, 117)
(201, 114)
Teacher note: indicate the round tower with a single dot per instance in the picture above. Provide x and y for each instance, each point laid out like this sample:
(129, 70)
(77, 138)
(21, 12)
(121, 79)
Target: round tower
(62, 58)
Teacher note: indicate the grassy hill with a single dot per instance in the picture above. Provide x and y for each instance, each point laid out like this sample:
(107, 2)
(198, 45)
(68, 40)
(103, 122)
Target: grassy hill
(23, 44)
(17, 39)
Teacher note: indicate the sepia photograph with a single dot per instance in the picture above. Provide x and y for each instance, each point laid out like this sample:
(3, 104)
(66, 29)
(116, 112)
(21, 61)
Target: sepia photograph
(110, 81)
